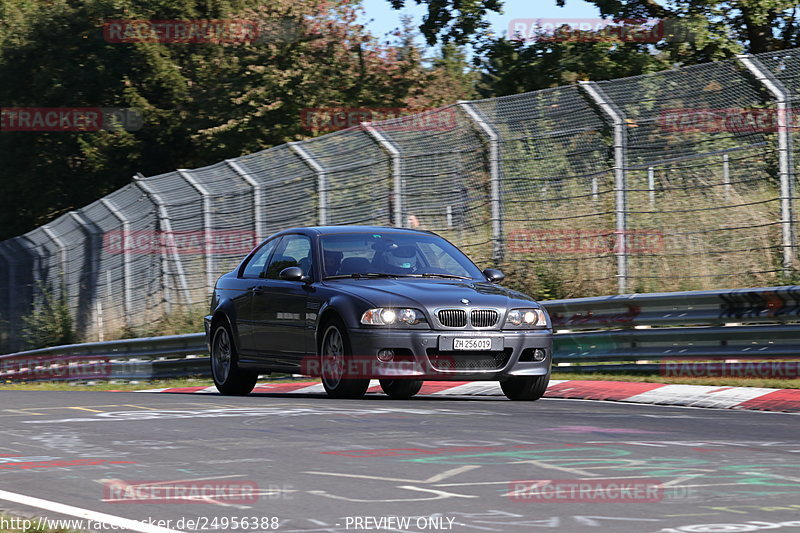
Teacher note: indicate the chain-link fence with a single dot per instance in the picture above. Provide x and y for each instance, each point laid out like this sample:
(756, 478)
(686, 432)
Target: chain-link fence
(677, 180)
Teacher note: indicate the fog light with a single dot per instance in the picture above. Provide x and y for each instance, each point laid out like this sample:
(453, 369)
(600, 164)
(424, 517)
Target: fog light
(385, 355)
(539, 354)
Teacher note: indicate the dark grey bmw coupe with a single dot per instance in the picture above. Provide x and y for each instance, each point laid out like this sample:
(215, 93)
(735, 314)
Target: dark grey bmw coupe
(354, 303)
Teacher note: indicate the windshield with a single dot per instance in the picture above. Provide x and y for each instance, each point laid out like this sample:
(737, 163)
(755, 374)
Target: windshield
(394, 254)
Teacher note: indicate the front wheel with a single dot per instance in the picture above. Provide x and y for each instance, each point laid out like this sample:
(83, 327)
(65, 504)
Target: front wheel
(526, 388)
(333, 352)
(228, 377)
(401, 389)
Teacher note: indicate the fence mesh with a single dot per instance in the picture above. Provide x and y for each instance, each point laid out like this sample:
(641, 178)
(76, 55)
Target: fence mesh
(677, 180)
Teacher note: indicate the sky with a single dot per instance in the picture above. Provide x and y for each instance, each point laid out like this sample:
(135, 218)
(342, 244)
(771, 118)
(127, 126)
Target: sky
(381, 19)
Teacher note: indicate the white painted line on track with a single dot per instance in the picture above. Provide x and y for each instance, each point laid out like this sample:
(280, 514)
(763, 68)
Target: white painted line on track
(60, 508)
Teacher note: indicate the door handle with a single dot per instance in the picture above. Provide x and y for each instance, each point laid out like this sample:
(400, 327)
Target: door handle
(257, 290)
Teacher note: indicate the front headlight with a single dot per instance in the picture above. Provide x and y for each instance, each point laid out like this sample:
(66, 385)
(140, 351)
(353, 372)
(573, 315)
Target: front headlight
(526, 317)
(387, 316)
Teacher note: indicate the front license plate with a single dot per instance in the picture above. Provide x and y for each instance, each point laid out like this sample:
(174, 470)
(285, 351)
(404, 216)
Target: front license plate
(472, 344)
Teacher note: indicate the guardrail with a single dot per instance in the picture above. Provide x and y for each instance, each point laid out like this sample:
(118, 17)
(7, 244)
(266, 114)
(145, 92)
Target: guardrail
(741, 324)
(147, 358)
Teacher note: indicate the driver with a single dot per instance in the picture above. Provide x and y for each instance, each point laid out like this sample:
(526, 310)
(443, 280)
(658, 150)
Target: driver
(400, 259)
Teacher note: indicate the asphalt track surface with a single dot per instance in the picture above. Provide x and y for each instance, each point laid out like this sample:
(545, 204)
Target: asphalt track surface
(308, 463)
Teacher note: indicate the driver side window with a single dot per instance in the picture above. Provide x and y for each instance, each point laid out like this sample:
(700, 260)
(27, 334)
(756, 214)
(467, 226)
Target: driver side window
(294, 250)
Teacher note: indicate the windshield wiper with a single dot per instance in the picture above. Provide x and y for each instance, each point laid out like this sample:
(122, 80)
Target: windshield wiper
(363, 275)
(435, 275)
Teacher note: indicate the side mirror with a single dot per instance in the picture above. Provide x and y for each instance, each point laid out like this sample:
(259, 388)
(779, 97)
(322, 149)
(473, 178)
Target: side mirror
(494, 275)
(293, 274)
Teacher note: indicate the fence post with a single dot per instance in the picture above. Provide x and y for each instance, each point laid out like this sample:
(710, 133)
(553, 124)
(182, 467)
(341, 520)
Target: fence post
(726, 176)
(494, 177)
(782, 103)
(91, 304)
(397, 171)
(62, 253)
(126, 258)
(620, 185)
(322, 181)
(208, 243)
(169, 240)
(258, 225)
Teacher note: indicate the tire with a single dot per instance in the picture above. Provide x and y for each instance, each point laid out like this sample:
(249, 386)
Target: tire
(401, 389)
(525, 389)
(334, 347)
(228, 377)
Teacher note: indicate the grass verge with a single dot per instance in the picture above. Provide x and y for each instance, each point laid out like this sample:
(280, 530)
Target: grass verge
(641, 378)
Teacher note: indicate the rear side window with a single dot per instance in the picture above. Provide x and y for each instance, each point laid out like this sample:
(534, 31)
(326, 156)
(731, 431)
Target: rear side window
(255, 267)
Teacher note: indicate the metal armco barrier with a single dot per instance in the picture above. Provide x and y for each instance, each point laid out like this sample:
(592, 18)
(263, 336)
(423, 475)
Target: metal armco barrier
(749, 324)
(773, 305)
(742, 324)
(148, 358)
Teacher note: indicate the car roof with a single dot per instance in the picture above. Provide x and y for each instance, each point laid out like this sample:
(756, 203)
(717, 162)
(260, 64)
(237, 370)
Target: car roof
(328, 230)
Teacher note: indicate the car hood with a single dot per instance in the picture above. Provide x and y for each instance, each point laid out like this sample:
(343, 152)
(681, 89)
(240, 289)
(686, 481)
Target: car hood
(431, 293)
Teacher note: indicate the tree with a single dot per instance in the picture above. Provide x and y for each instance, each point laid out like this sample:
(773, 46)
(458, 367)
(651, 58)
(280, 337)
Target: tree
(694, 32)
(201, 102)
(719, 27)
(455, 21)
(513, 67)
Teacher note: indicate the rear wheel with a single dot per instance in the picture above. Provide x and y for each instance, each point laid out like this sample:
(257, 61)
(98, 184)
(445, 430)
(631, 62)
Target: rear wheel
(333, 352)
(228, 377)
(401, 389)
(525, 389)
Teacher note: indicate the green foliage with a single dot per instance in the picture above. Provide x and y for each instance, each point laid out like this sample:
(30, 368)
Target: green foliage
(50, 324)
(513, 66)
(717, 28)
(201, 102)
(539, 279)
(180, 322)
(456, 21)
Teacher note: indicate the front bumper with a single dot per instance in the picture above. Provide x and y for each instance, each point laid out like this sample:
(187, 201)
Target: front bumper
(427, 349)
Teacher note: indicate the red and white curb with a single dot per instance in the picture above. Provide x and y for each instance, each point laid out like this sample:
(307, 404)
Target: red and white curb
(753, 398)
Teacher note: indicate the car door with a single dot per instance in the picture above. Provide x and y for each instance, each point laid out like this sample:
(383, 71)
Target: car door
(279, 309)
(252, 276)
